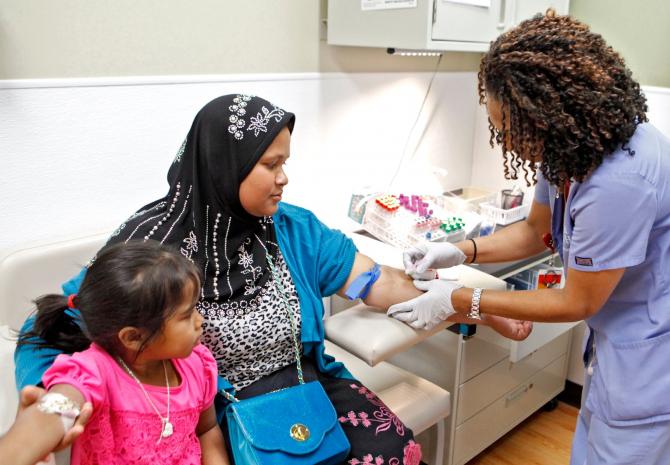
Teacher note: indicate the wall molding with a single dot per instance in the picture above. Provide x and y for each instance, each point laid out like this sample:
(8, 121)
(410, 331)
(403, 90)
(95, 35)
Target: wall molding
(127, 81)
(120, 81)
(656, 90)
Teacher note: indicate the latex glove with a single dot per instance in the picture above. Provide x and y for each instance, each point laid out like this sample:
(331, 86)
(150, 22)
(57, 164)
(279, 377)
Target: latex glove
(427, 310)
(427, 255)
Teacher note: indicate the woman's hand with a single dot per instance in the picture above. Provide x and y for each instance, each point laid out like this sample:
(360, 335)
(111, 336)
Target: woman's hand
(28, 396)
(35, 434)
(32, 394)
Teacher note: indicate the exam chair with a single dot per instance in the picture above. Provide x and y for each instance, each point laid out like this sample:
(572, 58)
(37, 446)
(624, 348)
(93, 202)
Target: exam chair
(26, 273)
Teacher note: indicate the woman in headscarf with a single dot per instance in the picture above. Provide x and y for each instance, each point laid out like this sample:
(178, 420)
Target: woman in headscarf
(223, 212)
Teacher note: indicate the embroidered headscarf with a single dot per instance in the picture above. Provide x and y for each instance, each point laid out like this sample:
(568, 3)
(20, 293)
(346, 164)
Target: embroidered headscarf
(201, 214)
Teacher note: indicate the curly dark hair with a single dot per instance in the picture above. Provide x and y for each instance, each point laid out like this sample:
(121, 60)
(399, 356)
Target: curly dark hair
(567, 98)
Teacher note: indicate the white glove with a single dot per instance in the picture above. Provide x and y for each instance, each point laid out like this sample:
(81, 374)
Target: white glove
(429, 309)
(431, 255)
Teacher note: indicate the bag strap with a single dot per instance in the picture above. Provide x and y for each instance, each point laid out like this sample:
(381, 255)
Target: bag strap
(294, 330)
(282, 292)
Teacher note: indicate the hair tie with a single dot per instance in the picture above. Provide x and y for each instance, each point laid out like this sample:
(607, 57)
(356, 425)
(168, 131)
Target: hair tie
(70, 301)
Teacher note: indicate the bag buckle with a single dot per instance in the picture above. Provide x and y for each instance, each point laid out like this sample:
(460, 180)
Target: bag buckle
(300, 432)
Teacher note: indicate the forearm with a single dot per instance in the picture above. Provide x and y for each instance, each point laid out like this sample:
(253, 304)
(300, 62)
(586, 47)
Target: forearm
(514, 242)
(213, 447)
(545, 305)
(211, 439)
(392, 287)
(22, 446)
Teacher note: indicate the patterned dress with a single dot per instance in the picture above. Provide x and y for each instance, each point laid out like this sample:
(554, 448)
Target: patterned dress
(253, 348)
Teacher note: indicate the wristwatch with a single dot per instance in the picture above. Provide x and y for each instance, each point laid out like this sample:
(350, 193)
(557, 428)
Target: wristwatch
(474, 306)
(66, 408)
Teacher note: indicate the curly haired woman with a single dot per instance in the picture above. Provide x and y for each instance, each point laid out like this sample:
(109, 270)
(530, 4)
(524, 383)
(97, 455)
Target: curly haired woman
(570, 117)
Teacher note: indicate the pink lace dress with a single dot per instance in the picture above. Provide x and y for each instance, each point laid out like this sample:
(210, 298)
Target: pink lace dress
(124, 429)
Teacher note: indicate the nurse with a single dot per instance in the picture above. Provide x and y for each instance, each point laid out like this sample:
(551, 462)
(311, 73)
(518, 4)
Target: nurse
(569, 116)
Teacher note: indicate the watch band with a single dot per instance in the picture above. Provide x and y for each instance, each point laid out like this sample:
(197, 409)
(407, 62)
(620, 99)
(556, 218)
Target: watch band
(474, 306)
(66, 408)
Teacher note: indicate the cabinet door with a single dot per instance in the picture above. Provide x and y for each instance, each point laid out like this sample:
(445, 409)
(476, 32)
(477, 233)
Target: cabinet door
(468, 21)
(483, 20)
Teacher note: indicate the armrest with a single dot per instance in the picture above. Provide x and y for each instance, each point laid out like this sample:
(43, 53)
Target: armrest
(372, 336)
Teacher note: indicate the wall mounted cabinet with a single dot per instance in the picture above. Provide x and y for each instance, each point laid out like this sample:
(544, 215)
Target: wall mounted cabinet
(459, 25)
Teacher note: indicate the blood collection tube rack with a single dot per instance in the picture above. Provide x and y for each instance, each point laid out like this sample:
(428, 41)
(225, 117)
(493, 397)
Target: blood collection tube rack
(405, 221)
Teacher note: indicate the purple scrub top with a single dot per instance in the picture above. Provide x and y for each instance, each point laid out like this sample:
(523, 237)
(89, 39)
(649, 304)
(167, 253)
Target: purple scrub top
(619, 217)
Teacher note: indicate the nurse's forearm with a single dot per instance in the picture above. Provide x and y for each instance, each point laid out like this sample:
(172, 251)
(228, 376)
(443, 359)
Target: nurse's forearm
(544, 305)
(515, 242)
(520, 240)
(583, 296)
(394, 286)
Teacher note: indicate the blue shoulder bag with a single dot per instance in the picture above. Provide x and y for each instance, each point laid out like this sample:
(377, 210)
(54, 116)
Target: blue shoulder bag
(292, 426)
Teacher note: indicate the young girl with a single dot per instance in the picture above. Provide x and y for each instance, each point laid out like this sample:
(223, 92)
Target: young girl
(150, 382)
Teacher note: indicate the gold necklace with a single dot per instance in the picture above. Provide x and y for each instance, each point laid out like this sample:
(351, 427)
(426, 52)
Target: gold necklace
(166, 427)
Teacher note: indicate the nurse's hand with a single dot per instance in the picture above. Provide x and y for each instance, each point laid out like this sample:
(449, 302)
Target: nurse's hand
(433, 255)
(429, 309)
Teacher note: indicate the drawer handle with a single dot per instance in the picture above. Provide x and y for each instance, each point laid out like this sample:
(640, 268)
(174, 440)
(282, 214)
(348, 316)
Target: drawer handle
(502, 14)
(518, 393)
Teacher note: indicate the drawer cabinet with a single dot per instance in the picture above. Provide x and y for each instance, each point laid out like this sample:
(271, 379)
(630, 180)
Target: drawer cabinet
(494, 383)
(488, 425)
(490, 393)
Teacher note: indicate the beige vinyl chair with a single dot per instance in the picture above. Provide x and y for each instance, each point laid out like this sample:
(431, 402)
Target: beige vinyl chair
(28, 272)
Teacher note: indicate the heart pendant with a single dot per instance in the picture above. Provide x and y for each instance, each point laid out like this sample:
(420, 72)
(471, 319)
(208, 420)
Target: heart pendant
(167, 430)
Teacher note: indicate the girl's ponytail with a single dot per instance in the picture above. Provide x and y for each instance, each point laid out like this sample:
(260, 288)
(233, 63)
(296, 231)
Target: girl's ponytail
(56, 326)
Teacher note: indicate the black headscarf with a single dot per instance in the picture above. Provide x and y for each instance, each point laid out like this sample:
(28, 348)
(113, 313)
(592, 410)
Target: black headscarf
(201, 214)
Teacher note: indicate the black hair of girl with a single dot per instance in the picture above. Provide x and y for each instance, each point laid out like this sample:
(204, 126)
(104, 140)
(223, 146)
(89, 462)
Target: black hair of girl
(139, 284)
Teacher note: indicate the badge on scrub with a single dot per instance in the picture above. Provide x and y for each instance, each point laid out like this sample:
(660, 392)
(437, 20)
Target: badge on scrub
(549, 277)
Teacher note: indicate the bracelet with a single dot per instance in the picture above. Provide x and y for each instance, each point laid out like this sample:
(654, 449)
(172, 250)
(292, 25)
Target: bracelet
(474, 255)
(54, 402)
(474, 306)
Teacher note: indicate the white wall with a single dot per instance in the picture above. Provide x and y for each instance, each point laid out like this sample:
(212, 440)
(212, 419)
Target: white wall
(658, 99)
(78, 156)
(92, 38)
